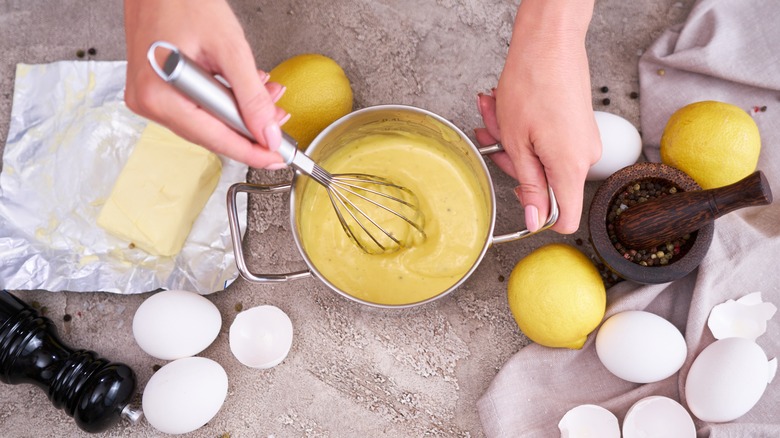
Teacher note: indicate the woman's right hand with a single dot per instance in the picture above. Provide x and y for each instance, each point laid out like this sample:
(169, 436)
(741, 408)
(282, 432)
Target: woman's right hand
(211, 35)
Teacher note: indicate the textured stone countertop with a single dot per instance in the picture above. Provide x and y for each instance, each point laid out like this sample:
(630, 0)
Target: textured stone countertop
(353, 371)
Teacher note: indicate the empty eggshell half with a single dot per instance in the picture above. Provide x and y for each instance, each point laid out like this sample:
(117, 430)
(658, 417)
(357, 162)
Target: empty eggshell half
(658, 416)
(586, 421)
(173, 324)
(261, 337)
(742, 318)
(184, 395)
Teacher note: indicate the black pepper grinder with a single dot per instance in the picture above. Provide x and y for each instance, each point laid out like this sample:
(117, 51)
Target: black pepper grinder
(92, 390)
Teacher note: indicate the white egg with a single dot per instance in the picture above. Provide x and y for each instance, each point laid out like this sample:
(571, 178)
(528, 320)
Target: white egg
(640, 347)
(658, 416)
(589, 421)
(727, 379)
(621, 145)
(261, 337)
(174, 324)
(184, 395)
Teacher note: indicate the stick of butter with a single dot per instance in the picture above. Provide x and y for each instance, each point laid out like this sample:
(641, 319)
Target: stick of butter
(160, 192)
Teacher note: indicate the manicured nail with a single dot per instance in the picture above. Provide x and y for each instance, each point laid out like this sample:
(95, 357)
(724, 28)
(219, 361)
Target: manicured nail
(265, 78)
(279, 94)
(479, 103)
(276, 166)
(273, 136)
(284, 119)
(493, 91)
(531, 218)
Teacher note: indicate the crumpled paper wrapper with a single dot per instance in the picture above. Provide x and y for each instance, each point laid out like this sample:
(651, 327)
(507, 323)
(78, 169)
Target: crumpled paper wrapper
(69, 137)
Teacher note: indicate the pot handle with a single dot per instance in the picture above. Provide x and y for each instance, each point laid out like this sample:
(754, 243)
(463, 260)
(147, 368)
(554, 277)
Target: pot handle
(235, 233)
(551, 218)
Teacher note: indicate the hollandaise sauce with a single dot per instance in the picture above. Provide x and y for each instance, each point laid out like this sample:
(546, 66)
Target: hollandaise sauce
(454, 206)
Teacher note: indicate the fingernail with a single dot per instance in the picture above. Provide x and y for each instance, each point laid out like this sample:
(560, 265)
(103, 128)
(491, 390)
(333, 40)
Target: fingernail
(275, 166)
(273, 136)
(266, 77)
(531, 218)
(284, 119)
(493, 91)
(279, 94)
(479, 103)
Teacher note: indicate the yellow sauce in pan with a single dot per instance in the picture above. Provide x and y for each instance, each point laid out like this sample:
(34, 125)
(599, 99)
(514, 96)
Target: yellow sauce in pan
(454, 206)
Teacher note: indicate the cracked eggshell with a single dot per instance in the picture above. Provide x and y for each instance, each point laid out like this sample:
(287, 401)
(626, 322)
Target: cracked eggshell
(727, 379)
(261, 337)
(743, 318)
(658, 416)
(173, 324)
(640, 347)
(589, 421)
(621, 145)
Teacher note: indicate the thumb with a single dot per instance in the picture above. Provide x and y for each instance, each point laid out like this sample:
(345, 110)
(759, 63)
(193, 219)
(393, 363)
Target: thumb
(532, 189)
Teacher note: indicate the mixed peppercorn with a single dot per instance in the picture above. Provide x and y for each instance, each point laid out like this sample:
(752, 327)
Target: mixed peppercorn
(636, 193)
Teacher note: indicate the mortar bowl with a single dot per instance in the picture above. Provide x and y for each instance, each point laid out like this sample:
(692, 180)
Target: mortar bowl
(606, 196)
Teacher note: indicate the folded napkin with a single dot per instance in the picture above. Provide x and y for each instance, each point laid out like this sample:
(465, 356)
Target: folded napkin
(726, 51)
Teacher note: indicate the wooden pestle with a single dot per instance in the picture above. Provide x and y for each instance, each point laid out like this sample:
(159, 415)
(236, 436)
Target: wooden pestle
(664, 219)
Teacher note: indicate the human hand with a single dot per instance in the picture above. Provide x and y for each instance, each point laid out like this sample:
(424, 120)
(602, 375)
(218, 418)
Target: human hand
(543, 116)
(211, 35)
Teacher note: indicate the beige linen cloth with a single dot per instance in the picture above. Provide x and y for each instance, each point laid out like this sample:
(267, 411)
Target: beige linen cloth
(727, 51)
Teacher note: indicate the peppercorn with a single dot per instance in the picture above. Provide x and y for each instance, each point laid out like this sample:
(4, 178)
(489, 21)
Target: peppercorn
(606, 101)
(604, 89)
(67, 317)
(92, 51)
(80, 53)
(633, 95)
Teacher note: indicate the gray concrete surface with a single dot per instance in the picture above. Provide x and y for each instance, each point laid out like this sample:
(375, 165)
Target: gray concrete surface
(353, 371)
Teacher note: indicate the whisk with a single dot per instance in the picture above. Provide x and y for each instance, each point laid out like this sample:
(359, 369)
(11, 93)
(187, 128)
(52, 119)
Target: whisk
(378, 215)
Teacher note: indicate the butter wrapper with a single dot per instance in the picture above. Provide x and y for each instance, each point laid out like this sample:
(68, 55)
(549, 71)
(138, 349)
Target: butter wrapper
(70, 135)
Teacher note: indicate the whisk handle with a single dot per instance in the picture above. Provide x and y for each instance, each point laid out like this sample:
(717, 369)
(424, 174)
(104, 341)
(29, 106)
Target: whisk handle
(209, 93)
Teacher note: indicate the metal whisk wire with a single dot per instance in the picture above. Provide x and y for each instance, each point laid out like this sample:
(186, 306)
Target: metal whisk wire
(354, 184)
(344, 190)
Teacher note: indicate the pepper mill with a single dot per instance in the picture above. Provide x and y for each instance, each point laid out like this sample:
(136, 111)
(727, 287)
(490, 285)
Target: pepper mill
(92, 390)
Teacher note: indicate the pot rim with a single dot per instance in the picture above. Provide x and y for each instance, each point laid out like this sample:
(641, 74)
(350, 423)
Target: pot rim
(491, 195)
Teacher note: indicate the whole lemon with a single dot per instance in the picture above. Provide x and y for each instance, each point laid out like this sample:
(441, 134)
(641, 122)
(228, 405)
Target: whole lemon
(557, 296)
(715, 143)
(318, 93)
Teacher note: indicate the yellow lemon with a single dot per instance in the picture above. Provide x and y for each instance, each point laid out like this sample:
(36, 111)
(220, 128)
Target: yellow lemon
(715, 143)
(318, 93)
(557, 296)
